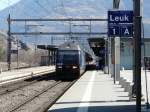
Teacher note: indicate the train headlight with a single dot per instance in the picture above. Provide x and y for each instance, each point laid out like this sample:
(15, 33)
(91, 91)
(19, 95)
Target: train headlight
(74, 67)
(59, 67)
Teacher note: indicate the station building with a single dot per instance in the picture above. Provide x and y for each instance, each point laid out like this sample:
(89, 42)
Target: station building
(99, 46)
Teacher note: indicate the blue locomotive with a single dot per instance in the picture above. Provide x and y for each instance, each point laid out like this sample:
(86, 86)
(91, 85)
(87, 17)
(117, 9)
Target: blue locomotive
(70, 61)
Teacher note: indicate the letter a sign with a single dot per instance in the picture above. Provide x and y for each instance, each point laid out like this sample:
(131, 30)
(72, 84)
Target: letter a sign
(127, 31)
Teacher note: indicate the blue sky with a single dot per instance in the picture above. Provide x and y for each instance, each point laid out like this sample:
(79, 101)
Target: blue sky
(86, 6)
(6, 3)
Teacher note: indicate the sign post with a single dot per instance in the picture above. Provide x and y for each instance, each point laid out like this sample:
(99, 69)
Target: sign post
(120, 24)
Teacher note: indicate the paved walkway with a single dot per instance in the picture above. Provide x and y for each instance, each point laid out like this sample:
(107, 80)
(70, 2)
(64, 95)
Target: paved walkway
(94, 92)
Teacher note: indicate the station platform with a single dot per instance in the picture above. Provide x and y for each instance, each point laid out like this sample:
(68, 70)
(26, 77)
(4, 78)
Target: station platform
(128, 76)
(18, 74)
(94, 92)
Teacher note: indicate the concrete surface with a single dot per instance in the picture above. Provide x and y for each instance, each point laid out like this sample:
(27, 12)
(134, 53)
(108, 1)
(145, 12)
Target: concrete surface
(94, 92)
(14, 75)
(128, 76)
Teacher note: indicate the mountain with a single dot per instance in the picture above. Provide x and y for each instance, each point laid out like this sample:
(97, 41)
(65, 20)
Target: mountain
(3, 42)
(56, 9)
(61, 9)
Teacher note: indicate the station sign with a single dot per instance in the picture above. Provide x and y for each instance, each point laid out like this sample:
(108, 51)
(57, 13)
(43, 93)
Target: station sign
(120, 23)
(120, 16)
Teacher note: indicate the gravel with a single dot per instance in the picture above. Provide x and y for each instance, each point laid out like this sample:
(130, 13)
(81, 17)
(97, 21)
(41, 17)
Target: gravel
(37, 104)
(13, 98)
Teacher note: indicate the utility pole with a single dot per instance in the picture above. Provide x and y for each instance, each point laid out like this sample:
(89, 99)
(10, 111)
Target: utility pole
(137, 53)
(9, 44)
(17, 54)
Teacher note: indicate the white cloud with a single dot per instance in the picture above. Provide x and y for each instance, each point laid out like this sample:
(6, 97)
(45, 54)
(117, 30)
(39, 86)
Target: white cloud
(7, 3)
(146, 21)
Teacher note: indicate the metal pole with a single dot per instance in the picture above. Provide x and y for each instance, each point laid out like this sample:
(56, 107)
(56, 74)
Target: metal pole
(58, 33)
(17, 54)
(116, 3)
(48, 57)
(35, 57)
(116, 47)
(105, 56)
(114, 42)
(54, 57)
(70, 19)
(90, 28)
(70, 24)
(9, 44)
(137, 46)
(109, 55)
(144, 47)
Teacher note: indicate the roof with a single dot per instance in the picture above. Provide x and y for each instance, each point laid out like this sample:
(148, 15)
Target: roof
(47, 47)
(70, 45)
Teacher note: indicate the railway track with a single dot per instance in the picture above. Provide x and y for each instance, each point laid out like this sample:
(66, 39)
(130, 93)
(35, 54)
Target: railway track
(22, 90)
(32, 97)
(55, 91)
(5, 89)
(22, 97)
(50, 103)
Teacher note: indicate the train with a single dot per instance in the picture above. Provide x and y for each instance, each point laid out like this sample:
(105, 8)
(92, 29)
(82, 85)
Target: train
(70, 60)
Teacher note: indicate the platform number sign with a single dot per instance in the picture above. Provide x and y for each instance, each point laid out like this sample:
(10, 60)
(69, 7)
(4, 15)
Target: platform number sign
(114, 30)
(120, 23)
(126, 31)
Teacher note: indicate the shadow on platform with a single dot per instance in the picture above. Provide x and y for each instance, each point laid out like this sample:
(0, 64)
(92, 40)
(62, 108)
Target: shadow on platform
(122, 108)
(102, 108)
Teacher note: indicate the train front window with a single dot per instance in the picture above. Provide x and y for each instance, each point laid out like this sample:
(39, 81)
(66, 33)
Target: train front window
(68, 57)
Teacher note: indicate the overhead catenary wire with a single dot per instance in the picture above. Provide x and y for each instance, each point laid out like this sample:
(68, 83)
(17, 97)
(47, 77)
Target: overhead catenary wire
(62, 8)
(48, 12)
(70, 27)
